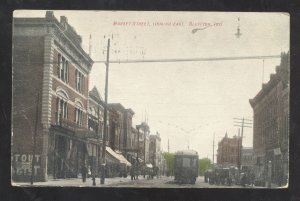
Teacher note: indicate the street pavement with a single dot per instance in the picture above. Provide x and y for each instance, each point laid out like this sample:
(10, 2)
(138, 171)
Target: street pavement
(162, 182)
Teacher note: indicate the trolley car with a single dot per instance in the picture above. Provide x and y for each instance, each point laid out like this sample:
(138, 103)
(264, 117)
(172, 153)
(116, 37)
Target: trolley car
(186, 166)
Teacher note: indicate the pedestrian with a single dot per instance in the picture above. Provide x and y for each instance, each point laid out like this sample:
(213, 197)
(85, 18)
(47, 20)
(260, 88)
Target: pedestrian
(244, 180)
(137, 172)
(83, 173)
(132, 174)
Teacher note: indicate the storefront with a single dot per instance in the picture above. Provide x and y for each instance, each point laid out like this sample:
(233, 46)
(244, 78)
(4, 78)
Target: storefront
(67, 154)
(116, 164)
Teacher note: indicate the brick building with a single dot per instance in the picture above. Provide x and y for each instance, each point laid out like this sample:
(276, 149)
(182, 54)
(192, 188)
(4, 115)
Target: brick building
(49, 63)
(144, 141)
(229, 151)
(271, 123)
(115, 128)
(247, 160)
(154, 150)
(95, 124)
(128, 146)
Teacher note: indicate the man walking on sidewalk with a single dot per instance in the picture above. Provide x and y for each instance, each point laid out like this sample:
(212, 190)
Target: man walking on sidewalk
(83, 173)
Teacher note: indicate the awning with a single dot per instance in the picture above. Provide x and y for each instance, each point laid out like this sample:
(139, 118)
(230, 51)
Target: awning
(149, 165)
(118, 156)
(277, 151)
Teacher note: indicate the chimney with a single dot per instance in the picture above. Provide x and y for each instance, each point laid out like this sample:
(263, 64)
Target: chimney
(49, 15)
(64, 22)
(63, 19)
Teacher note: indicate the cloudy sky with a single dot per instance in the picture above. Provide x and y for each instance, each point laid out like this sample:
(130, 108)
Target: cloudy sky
(186, 102)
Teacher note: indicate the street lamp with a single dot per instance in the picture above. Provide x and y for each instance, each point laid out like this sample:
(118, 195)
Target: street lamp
(198, 29)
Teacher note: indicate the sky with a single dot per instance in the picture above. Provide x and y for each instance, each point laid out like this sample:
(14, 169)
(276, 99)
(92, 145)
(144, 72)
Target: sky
(186, 102)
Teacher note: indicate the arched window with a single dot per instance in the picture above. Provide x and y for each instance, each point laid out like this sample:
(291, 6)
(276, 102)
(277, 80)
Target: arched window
(78, 113)
(61, 106)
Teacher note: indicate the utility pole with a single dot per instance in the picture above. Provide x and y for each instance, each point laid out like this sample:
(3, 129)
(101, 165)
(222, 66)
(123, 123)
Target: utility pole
(168, 146)
(239, 151)
(213, 150)
(144, 144)
(95, 169)
(138, 147)
(263, 69)
(105, 117)
(34, 138)
(242, 122)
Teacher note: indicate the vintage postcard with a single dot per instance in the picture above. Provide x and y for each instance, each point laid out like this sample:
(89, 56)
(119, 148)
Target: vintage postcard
(150, 99)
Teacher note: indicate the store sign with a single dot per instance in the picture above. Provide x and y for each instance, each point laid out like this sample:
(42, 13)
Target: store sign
(22, 164)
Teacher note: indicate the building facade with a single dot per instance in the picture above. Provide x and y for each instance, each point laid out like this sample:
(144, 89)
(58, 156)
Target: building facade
(271, 124)
(154, 150)
(144, 141)
(50, 70)
(95, 125)
(228, 153)
(247, 159)
(116, 130)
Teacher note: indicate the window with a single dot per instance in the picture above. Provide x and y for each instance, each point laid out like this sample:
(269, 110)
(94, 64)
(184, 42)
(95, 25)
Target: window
(63, 69)
(78, 113)
(78, 116)
(186, 162)
(62, 110)
(79, 81)
(93, 125)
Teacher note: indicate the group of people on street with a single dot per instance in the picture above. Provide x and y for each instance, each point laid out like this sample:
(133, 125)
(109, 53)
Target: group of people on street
(135, 171)
(226, 176)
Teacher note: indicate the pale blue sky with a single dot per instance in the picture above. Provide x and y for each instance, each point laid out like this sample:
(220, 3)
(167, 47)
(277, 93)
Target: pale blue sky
(201, 97)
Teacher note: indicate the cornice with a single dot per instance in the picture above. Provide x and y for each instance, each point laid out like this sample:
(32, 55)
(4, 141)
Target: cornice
(53, 27)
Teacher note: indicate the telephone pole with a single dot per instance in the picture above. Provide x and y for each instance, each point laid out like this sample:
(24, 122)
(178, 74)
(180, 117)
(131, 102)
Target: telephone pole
(242, 123)
(34, 138)
(105, 117)
(213, 156)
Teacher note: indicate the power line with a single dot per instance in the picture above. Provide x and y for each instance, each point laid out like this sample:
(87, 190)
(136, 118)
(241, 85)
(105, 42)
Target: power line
(171, 60)
(193, 59)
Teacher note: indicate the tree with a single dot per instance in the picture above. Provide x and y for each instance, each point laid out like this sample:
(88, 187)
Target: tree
(169, 157)
(204, 164)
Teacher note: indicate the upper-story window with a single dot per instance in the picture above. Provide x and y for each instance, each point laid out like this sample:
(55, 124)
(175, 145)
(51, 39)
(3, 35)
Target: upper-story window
(93, 119)
(63, 69)
(62, 107)
(78, 113)
(79, 81)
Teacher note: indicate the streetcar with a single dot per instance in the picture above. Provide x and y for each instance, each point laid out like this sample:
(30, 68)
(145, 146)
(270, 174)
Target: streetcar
(186, 166)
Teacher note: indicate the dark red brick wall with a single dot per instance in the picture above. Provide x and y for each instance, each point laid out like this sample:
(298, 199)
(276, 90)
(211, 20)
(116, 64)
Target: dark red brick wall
(71, 93)
(28, 55)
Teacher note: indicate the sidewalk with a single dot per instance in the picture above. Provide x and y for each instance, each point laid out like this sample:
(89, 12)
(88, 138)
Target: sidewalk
(76, 182)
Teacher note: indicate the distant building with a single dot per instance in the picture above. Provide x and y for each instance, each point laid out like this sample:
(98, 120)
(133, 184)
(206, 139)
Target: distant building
(228, 151)
(144, 142)
(48, 60)
(247, 158)
(124, 140)
(128, 142)
(116, 131)
(154, 150)
(96, 125)
(271, 123)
